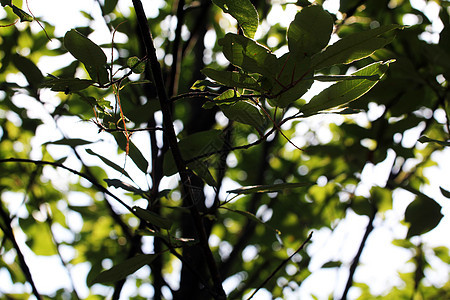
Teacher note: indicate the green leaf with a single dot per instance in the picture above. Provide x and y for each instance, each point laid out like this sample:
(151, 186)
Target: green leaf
(243, 11)
(109, 6)
(136, 65)
(89, 53)
(344, 92)
(268, 188)
(29, 70)
(310, 31)
(125, 268)
(69, 142)
(133, 151)
(152, 218)
(233, 79)
(249, 55)
(331, 264)
(244, 112)
(292, 81)
(202, 84)
(423, 215)
(425, 139)
(361, 206)
(109, 163)
(40, 239)
(67, 85)
(24, 17)
(126, 186)
(353, 47)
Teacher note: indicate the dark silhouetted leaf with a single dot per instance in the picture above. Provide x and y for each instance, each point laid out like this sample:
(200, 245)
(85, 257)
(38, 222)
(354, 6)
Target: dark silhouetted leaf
(125, 268)
(70, 142)
(126, 186)
(268, 188)
(425, 139)
(134, 153)
(423, 215)
(152, 218)
(67, 85)
(232, 79)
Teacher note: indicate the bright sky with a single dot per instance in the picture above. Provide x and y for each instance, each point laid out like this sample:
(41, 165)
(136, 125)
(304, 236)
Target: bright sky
(380, 260)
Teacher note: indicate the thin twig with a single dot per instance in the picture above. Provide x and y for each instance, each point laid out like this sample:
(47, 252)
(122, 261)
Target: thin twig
(283, 263)
(55, 164)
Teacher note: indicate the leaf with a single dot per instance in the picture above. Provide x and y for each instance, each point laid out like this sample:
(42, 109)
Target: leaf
(136, 65)
(249, 55)
(89, 53)
(293, 81)
(344, 92)
(109, 6)
(133, 151)
(29, 70)
(329, 78)
(152, 218)
(243, 11)
(202, 84)
(425, 139)
(310, 31)
(331, 264)
(24, 17)
(268, 188)
(125, 268)
(423, 215)
(67, 85)
(233, 79)
(353, 47)
(40, 239)
(444, 192)
(126, 186)
(361, 206)
(109, 163)
(244, 112)
(69, 142)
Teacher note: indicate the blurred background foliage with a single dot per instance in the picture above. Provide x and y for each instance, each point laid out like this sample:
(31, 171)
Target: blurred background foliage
(53, 212)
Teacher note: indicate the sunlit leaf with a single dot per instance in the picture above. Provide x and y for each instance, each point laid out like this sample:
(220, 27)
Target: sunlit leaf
(136, 65)
(244, 112)
(310, 31)
(249, 55)
(232, 79)
(353, 47)
(344, 92)
(243, 11)
(331, 264)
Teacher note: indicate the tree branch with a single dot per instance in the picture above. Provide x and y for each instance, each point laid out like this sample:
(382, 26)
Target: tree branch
(172, 140)
(358, 254)
(23, 265)
(283, 263)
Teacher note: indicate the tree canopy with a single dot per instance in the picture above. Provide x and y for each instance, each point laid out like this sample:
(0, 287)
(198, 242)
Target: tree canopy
(196, 154)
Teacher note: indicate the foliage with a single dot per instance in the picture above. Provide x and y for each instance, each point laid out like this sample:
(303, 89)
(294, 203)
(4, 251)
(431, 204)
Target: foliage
(252, 172)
